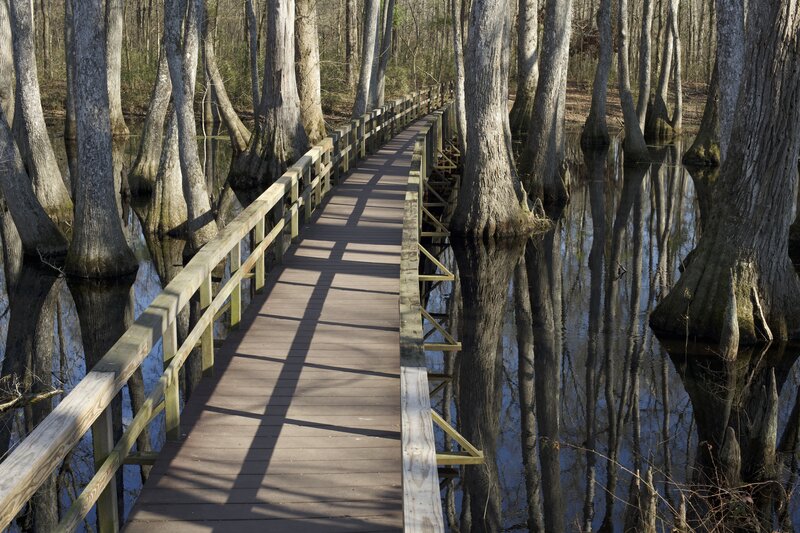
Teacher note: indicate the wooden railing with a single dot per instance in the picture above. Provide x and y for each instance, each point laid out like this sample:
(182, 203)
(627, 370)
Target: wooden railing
(88, 405)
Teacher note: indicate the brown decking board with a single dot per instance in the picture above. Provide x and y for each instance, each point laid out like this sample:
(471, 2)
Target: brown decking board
(299, 429)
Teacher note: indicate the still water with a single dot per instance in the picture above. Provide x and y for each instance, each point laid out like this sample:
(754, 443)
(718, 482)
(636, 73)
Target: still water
(588, 422)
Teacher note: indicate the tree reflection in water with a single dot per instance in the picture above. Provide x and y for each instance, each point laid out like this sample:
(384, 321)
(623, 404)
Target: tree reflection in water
(589, 422)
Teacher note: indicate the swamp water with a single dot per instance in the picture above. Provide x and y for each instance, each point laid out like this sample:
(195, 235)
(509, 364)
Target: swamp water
(587, 421)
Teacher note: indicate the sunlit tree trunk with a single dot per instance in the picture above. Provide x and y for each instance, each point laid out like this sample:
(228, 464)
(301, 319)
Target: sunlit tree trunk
(308, 82)
(114, 27)
(252, 46)
(595, 130)
(32, 139)
(98, 247)
(6, 64)
(279, 137)
(167, 208)
(201, 225)
(540, 163)
(369, 35)
(491, 201)
(740, 285)
(527, 66)
(458, 82)
(351, 43)
(385, 54)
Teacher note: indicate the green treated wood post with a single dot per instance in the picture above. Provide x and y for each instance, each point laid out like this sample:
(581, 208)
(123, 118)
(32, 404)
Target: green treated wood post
(317, 176)
(294, 196)
(260, 262)
(207, 340)
(277, 215)
(355, 148)
(236, 295)
(172, 404)
(102, 444)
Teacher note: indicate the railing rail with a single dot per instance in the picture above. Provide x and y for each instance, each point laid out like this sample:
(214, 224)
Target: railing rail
(87, 406)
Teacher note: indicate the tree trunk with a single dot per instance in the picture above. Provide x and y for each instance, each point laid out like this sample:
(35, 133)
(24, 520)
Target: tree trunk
(658, 124)
(595, 131)
(237, 131)
(382, 61)
(527, 66)
(458, 59)
(731, 36)
(252, 45)
(371, 15)
(541, 160)
(279, 137)
(645, 44)
(114, 27)
(142, 176)
(704, 151)
(167, 210)
(201, 226)
(740, 278)
(677, 113)
(98, 247)
(491, 201)
(6, 64)
(308, 83)
(38, 233)
(69, 63)
(32, 139)
(633, 145)
(351, 43)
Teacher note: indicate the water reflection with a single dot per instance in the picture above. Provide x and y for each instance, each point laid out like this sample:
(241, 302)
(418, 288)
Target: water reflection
(587, 420)
(52, 330)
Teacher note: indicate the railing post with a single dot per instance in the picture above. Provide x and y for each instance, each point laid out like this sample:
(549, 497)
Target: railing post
(172, 407)
(294, 195)
(102, 444)
(207, 340)
(277, 215)
(260, 262)
(355, 137)
(236, 295)
(307, 192)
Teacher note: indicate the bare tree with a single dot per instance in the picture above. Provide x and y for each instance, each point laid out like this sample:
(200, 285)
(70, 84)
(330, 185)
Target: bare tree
(659, 124)
(115, 13)
(595, 130)
(351, 42)
(6, 64)
(458, 59)
(371, 18)
(645, 40)
(308, 82)
(167, 207)
(634, 145)
(527, 65)
(98, 247)
(31, 134)
(279, 137)
(252, 45)
(730, 65)
(183, 68)
(541, 160)
(740, 286)
(385, 54)
(491, 201)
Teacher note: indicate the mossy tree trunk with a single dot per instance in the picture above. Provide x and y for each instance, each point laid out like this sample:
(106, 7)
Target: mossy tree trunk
(541, 160)
(740, 286)
(595, 130)
(98, 247)
(491, 201)
(279, 137)
(29, 127)
(308, 82)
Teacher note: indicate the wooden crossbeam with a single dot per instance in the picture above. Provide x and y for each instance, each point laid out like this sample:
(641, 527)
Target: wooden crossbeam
(470, 456)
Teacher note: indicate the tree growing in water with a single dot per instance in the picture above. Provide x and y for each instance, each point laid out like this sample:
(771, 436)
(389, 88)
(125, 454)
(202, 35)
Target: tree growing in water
(741, 286)
(98, 247)
(527, 66)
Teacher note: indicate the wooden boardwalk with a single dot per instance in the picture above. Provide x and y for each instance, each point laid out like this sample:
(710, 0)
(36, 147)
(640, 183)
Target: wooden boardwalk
(299, 429)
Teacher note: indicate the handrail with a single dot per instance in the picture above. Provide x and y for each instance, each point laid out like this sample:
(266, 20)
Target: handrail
(422, 506)
(88, 404)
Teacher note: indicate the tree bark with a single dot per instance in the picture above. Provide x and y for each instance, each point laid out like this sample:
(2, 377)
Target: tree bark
(731, 37)
(98, 247)
(39, 235)
(645, 44)
(201, 226)
(237, 131)
(279, 137)
(167, 211)
(142, 176)
(351, 43)
(704, 151)
(32, 139)
(491, 201)
(541, 160)
(740, 269)
(371, 15)
(595, 130)
(658, 123)
(114, 26)
(6, 64)
(252, 45)
(70, 126)
(459, 96)
(308, 82)
(385, 54)
(527, 66)
(634, 146)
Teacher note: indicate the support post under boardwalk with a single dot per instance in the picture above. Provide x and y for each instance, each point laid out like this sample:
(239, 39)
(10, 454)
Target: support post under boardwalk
(172, 401)
(102, 444)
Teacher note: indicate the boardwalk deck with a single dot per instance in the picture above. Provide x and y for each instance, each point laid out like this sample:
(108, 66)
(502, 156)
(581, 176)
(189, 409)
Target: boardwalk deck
(299, 429)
